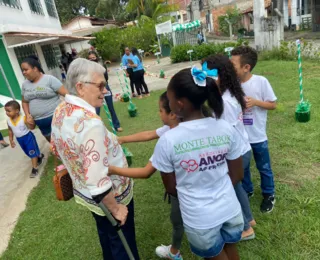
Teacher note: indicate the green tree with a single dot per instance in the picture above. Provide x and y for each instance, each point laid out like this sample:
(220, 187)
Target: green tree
(68, 9)
(234, 16)
(112, 9)
(151, 8)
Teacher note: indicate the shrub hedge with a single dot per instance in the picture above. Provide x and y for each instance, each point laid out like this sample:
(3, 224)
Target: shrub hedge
(179, 52)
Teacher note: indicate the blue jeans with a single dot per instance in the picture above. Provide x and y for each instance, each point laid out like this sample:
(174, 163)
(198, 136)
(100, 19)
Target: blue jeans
(111, 244)
(242, 195)
(115, 120)
(1, 137)
(262, 159)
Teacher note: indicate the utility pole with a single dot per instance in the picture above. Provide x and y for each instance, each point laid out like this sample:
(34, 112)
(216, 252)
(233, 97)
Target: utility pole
(280, 14)
(258, 14)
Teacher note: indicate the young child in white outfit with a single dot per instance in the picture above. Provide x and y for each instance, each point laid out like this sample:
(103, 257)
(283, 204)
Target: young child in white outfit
(20, 128)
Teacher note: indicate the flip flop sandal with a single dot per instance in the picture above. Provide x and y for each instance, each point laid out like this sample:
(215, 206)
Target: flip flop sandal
(253, 236)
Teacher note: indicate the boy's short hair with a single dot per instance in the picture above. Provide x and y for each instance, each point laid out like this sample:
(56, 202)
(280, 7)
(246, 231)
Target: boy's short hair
(247, 55)
(14, 104)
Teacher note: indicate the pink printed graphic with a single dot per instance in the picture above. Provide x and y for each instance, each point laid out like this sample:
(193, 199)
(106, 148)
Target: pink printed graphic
(189, 166)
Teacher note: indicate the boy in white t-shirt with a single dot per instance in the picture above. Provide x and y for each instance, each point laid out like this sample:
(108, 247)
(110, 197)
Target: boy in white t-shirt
(259, 99)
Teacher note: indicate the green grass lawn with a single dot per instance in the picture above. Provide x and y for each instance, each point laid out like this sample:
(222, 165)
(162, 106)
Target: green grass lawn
(49, 229)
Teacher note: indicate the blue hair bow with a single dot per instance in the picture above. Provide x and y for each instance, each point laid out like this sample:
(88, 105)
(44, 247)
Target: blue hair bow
(199, 76)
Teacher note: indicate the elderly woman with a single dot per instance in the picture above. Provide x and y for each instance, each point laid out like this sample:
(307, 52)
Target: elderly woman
(86, 148)
(40, 95)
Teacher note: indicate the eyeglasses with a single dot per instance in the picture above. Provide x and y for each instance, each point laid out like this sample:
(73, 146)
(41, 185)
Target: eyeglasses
(100, 85)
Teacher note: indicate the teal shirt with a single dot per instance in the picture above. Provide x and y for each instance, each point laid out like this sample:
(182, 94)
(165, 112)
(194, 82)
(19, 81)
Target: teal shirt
(137, 61)
(125, 59)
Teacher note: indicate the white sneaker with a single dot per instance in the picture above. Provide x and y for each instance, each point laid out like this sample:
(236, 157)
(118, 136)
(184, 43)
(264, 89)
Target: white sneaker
(164, 252)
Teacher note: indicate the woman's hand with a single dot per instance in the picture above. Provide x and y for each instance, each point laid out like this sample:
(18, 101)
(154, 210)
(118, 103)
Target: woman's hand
(121, 214)
(30, 119)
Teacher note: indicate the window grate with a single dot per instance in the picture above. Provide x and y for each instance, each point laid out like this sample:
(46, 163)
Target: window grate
(11, 3)
(36, 7)
(24, 52)
(49, 54)
(51, 8)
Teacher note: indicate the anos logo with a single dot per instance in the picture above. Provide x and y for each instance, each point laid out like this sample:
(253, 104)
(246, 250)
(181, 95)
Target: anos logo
(189, 166)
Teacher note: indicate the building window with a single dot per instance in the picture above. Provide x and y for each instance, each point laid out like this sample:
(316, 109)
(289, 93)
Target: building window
(24, 52)
(49, 54)
(51, 8)
(11, 3)
(35, 6)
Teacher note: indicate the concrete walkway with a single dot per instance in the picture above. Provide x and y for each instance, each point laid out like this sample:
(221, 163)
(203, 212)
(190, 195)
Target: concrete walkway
(15, 185)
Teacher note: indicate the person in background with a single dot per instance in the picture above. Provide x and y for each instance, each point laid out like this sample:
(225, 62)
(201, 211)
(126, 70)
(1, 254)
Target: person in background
(63, 73)
(3, 143)
(129, 71)
(40, 95)
(233, 107)
(87, 151)
(259, 99)
(138, 73)
(20, 128)
(64, 60)
(74, 53)
(70, 58)
(93, 56)
(200, 37)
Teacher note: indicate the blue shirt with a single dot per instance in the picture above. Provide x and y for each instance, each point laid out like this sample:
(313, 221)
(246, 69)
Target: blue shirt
(125, 58)
(137, 61)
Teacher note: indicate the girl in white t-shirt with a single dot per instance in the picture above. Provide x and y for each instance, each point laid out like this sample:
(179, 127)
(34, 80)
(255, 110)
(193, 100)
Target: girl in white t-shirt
(170, 121)
(234, 105)
(199, 160)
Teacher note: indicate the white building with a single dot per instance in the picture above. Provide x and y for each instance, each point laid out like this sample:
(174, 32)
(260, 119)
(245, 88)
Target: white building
(28, 27)
(85, 26)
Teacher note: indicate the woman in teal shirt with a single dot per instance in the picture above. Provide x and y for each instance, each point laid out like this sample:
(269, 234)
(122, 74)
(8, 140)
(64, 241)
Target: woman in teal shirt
(138, 73)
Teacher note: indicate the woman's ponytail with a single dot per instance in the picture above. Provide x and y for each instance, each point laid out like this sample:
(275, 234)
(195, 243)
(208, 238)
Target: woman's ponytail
(215, 101)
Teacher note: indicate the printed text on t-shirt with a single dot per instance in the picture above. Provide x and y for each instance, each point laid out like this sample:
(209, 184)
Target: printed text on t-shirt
(202, 143)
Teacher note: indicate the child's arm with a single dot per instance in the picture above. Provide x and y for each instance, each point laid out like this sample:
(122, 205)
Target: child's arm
(12, 143)
(169, 182)
(235, 170)
(139, 137)
(251, 102)
(143, 173)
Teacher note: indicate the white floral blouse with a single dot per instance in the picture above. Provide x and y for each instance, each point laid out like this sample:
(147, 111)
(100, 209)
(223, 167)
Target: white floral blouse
(86, 149)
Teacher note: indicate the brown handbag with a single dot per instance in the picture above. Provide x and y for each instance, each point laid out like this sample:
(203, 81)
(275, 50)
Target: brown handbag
(62, 183)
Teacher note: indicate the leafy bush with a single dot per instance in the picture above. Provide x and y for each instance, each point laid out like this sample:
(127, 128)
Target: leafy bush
(179, 52)
(234, 16)
(110, 43)
(83, 53)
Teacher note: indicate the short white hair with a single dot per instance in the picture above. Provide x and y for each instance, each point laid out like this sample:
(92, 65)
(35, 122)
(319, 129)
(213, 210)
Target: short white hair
(81, 70)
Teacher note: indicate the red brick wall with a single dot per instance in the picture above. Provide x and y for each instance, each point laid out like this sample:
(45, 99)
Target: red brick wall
(216, 12)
